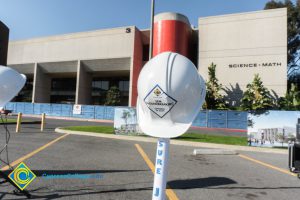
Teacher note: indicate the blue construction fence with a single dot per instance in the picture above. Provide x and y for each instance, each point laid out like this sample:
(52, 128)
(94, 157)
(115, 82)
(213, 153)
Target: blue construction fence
(205, 118)
(222, 119)
(62, 110)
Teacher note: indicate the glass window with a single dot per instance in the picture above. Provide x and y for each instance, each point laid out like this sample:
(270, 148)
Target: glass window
(25, 95)
(63, 90)
(124, 86)
(100, 86)
(146, 52)
(63, 84)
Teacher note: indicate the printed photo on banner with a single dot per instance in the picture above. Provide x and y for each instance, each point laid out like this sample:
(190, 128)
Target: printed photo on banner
(273, 128)
(125, 121)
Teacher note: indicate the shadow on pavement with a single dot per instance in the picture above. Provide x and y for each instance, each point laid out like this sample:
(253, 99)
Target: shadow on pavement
(200, 182)
(14, 123)
(47, 193)
(210, 182)
(86, 192)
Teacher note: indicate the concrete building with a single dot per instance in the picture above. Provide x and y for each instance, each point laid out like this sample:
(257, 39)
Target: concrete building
(245, 44)
(4, 31)
(80, 67)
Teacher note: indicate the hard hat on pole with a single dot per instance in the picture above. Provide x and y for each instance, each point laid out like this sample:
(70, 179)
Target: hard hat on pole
(11, 82)
(170, 95)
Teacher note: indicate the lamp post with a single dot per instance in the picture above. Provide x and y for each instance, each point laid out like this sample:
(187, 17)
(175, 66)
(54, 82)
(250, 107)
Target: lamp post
(151, 28)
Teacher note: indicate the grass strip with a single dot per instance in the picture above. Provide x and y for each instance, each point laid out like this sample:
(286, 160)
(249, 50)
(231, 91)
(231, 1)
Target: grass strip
(10, 121)
(193, 137)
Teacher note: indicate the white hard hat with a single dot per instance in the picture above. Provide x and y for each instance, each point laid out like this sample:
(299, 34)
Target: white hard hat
(170, 95)
(11, 82)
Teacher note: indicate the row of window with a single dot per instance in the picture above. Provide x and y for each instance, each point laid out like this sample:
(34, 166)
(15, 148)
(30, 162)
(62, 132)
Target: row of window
(63, 90)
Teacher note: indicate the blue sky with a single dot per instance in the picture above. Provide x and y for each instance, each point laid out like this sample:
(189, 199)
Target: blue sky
(36, 18)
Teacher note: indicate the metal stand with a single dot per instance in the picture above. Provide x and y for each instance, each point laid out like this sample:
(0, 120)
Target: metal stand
(17, 190)
(161, 169)
(294, 157)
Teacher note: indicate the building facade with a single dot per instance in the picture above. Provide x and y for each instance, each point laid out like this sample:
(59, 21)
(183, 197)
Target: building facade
(4, 31)
(80, 68)
(242, 45)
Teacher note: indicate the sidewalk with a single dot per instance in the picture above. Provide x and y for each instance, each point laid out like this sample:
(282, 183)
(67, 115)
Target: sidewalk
(177, 142)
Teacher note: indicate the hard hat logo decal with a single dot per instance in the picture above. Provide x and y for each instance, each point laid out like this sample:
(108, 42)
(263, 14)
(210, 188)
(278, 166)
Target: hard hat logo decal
(159, 102)
(157, 92)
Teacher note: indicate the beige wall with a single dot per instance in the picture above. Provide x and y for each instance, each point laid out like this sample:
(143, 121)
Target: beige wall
(83, 85)
(246, 38)
(136, 66)
(110, 43)
(41, 86)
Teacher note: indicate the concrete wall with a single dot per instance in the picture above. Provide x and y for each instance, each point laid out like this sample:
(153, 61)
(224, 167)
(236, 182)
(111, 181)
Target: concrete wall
(41, 86)
(137, 64)
(109, 43)
(4, 34)
(242, 45)
(83, 86)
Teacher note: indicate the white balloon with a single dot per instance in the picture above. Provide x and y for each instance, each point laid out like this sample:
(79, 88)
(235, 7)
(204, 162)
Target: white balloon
(11, 82)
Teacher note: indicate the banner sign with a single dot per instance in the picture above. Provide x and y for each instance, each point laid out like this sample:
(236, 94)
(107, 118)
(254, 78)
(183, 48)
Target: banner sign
(77, 110)
(273, 128)
(125, 121)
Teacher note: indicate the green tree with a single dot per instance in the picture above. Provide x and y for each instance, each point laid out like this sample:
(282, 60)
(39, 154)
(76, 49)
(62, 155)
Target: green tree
(113, 96)
(214, 99)
(293, 39)
(257, 97)
(291, 101)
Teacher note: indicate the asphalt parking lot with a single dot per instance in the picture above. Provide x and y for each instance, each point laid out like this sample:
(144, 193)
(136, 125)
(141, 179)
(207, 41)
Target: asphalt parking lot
(124, 174)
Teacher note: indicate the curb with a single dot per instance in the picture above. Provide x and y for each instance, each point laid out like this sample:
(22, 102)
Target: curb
(175, 142)
(214, 152)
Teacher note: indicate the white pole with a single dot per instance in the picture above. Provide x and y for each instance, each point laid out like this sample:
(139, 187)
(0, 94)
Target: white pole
(161, 169)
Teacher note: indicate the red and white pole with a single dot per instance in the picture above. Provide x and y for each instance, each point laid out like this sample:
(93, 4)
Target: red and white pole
(171, 32)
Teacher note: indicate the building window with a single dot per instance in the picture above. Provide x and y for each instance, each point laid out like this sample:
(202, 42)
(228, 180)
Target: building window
(124, 90)
(63, 90)
(99, 90)
(100, 86)
(25, 95)
(146, 52)
(124, 86)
